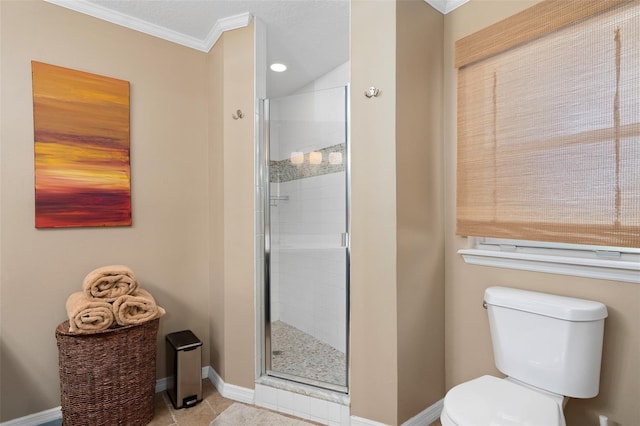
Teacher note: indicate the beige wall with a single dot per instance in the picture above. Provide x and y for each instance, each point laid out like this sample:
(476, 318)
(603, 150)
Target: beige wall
(374, 350)
(420, 213)
(238, 205)
(215, 76)
(397, 273)
(167, 246)
(191, 243)
(468, 347)
(231, 186)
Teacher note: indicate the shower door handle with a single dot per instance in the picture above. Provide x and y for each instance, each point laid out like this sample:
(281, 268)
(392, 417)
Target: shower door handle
(345, 239)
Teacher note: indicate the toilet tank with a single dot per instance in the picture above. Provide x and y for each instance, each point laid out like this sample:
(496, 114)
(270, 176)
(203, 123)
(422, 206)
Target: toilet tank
(547, 341)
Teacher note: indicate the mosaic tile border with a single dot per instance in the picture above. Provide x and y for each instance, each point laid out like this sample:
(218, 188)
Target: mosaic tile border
(328, 160)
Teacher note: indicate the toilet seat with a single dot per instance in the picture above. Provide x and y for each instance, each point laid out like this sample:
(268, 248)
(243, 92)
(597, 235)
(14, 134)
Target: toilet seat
(489, 400)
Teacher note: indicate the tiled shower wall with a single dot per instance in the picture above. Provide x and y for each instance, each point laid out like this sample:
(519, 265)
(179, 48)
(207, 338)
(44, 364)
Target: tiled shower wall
(308, 261)
(308, 214)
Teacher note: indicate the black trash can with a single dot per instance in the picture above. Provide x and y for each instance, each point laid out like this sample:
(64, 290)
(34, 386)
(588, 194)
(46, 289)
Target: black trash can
(184, 368)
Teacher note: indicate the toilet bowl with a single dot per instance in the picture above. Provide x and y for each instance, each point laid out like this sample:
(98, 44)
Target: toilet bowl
(489, 400)
(550, 349)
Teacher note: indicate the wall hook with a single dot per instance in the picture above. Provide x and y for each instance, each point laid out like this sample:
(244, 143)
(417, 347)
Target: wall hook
(372, 92)
(237, 115)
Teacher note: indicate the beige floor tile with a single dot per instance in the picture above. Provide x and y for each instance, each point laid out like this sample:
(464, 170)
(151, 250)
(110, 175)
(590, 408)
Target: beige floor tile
(199, 415)
(216, 401)
(162, 416)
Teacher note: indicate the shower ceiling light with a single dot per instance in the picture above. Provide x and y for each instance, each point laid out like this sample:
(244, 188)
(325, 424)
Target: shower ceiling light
(315, 157)
(278, 67)
(297, 157)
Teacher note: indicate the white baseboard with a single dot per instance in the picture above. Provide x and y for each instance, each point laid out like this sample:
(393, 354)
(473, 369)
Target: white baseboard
(36, 419)
(162, 384)
(53, 414)
(237, 393)
(361, 421)
(427, 416)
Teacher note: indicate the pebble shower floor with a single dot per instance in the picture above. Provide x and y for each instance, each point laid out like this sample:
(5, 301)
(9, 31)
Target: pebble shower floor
(300, 354)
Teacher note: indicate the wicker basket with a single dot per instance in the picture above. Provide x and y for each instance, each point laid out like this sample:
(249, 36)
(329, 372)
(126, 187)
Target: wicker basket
(108, 377)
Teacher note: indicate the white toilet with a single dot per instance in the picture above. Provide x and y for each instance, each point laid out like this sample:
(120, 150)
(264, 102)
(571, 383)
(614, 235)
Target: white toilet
(550, 348)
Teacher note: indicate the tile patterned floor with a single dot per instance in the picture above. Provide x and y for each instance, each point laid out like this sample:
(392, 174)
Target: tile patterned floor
(200, 415)
(212, 405)
(302, 355)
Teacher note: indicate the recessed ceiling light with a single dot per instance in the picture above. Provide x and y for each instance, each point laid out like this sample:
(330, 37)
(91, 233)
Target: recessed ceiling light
(278, 67)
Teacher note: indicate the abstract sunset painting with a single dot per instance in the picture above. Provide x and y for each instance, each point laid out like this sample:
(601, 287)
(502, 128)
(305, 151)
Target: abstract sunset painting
(81, 138)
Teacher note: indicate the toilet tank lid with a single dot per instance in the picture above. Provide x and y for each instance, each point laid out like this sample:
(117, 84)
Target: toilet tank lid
(561, 307)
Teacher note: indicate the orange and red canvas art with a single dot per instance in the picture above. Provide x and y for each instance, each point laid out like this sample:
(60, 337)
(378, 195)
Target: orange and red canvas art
(81, 136)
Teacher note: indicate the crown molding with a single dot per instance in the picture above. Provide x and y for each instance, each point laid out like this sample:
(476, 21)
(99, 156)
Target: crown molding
(454, 4)
(439, 5)
(105, 14)
(203, 45)
(226, 24)
(446, 6)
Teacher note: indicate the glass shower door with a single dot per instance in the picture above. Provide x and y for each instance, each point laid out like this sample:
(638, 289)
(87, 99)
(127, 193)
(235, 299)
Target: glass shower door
(306, 235)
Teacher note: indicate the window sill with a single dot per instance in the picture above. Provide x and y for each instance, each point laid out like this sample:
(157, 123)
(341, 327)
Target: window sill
(614, 270)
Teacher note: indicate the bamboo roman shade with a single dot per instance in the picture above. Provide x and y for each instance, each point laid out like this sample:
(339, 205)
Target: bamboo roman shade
(549, 125)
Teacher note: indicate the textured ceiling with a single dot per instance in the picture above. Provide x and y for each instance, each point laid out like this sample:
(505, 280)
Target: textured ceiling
(310, 36)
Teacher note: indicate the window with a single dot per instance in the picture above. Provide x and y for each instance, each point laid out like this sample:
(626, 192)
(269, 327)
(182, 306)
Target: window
(611, 263)
(549, 133)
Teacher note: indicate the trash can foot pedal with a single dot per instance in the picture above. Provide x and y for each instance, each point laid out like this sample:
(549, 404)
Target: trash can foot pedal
(190, 401)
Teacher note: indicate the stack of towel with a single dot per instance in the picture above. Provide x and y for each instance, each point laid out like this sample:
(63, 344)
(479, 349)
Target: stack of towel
(110, 297)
